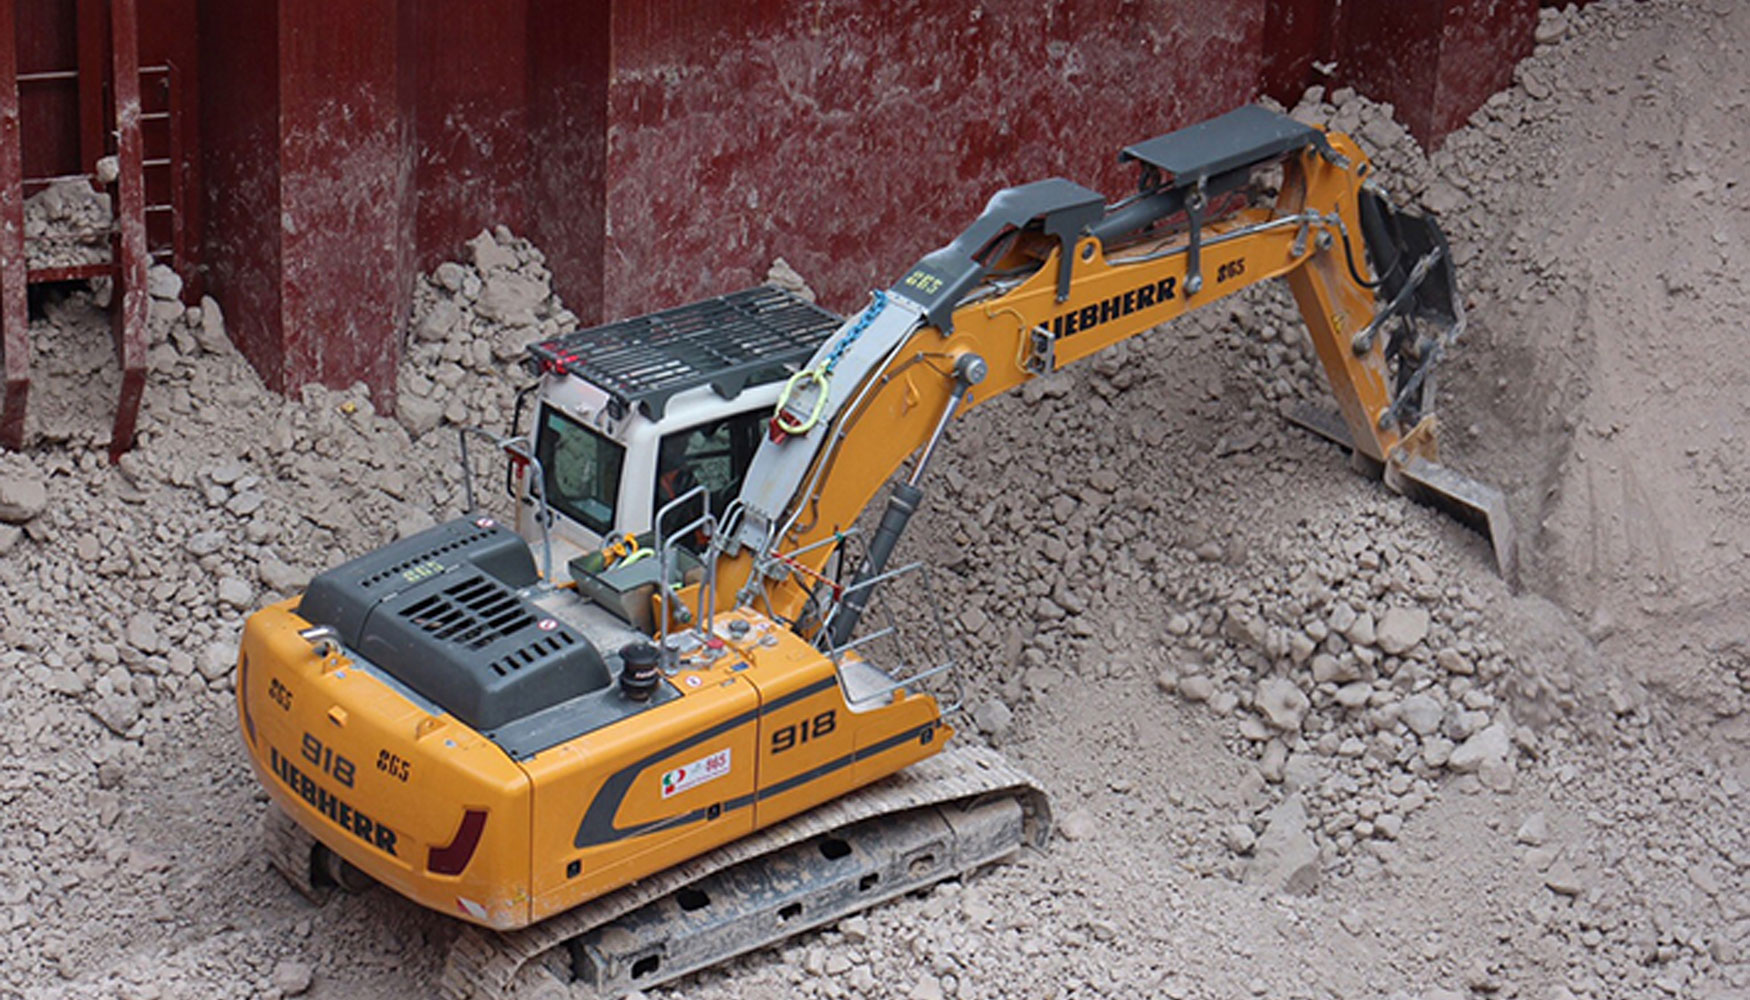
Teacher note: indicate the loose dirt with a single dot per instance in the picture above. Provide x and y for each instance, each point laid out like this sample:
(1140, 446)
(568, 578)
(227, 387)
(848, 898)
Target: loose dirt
(1302, 741)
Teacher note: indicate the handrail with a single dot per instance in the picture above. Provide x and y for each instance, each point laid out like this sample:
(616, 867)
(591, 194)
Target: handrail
(665, 549)
(518, 449)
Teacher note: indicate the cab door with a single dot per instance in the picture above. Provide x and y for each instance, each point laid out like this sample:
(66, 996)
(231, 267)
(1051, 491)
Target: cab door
(715, 453)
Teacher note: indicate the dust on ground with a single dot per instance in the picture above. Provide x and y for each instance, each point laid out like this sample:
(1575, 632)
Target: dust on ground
(1303, 742)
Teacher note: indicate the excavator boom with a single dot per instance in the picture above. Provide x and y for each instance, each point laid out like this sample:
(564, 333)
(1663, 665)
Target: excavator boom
(1050, 274)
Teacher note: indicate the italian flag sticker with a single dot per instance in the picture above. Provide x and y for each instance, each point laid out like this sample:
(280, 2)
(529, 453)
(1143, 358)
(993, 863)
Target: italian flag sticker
(695, 774)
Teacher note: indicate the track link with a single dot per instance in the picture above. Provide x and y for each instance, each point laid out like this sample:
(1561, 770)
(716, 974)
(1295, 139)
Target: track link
(291, 850)
(967, 799)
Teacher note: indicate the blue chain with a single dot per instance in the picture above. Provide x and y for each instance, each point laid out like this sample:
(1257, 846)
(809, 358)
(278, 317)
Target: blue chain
(838, 350)
(785, 423)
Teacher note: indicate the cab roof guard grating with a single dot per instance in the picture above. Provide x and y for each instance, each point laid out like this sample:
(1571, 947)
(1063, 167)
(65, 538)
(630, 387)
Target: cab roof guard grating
(721, 342)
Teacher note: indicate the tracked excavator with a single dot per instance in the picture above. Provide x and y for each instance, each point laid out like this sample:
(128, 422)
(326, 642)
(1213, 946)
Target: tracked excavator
(667, 716)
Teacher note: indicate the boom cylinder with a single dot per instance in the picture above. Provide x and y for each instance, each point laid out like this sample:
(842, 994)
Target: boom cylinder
(969, 370)
(901, 505)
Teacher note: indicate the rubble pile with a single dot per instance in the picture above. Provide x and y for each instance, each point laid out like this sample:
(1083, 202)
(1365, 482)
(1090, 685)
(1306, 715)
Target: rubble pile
(66, 224)
(1302, 742)
(472, 323)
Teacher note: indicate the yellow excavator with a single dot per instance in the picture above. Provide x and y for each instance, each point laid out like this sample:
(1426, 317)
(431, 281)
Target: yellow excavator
(666, 716)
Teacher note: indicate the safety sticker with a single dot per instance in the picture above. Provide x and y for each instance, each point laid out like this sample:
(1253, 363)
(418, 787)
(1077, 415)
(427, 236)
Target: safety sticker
(695, 774)
(471, 908)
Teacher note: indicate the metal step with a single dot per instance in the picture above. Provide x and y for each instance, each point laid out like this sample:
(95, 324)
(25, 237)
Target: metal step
(801, 887)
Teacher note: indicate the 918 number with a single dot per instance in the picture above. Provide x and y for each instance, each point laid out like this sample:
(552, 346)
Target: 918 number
(327, 761)
(798, 733)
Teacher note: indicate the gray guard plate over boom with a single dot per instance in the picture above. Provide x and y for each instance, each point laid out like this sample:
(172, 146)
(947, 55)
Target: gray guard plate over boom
(775, 478)
(1238, 139)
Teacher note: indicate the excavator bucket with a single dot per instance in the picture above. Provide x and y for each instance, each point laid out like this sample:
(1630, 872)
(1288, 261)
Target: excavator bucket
(1476, 505)
(1417, 315)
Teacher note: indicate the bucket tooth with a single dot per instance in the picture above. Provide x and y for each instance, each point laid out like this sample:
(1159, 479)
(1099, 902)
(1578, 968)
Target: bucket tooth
(1478, 505)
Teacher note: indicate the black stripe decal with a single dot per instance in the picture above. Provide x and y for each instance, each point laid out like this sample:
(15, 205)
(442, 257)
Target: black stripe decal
(788, 784)
(598, 821)
(796, 781)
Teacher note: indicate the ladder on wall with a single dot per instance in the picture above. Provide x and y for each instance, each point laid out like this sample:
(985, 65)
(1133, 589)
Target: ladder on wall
(112, 120)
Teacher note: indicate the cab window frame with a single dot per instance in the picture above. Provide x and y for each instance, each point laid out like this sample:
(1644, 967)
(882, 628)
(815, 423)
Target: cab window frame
(744, 431)
(608, 474)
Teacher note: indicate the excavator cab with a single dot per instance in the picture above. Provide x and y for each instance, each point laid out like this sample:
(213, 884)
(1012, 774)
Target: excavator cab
(632, 414)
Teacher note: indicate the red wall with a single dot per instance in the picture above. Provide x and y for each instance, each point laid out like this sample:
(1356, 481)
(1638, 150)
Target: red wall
(852, 137)
(352, 144)
(569, 60)
(660, 150)
(48, 41)
(1435, 60)
(473, 121)
(240, 161)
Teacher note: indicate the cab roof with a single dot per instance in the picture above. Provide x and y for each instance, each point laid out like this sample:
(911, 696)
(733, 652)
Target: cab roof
(749, 337)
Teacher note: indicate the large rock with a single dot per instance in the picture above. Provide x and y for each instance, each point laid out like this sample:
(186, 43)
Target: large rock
(993, 717)
(1196, 688)
(1534, 832)
(488, 256)
(1492, 743)
(236, 592)
(117, 711)
(204, 543)
(418, 414)
(439, 321)
(1285, 858)
(163, 283)
(511, 299)
(281, 578)
(1331, 669)
(142, 633)
(1362, 631)
(1244, 630)
(217, 659)
(292, 978)
(1422, 713)
(782, 275)
(1283, 704)
(1341, 617)
(451, 276)
(1401, 629)
(22, 497)
(210, 334)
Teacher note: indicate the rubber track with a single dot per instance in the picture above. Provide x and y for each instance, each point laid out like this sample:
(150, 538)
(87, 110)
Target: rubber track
(289, 848)
(482, 964)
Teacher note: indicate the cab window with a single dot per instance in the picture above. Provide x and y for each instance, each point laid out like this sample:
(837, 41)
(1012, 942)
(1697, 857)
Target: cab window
(714, 454)
(581, 470)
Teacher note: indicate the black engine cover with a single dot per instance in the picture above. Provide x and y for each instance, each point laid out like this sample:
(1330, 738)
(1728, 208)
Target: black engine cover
(439, 611)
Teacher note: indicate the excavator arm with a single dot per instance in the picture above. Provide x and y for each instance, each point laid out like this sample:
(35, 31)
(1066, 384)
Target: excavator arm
(1050, 274)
